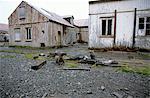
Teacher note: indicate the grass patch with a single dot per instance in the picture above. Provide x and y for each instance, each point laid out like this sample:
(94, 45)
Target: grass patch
(144, 70)
(7, 56)
(71, 64)
(12, 51)
(146, 56)
(29, 56)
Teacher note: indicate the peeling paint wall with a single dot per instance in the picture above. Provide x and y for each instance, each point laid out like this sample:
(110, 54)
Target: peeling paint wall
(124, 23)
(43, 31)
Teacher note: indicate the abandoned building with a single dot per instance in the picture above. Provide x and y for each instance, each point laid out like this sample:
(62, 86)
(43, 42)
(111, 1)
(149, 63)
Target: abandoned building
(37, 27)
(117, 23)
(82, 30)
(4, 36)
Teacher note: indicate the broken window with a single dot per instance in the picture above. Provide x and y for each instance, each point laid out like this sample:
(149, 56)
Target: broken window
(17, 34)
(29, 33)
(107, 26)
(22, 12)
(141, 23)
(148, 26)
(103, 27)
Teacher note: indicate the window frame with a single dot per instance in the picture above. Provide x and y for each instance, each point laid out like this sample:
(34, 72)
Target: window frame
(147, 29)
(17, 34)
(28, 33)
(22, 9)
(145, 25)
(107, 27)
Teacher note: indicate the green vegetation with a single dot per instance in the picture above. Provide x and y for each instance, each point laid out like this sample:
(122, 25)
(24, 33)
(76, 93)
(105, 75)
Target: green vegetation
(28, 56)
(71, 64)
(7, 56)
(12, 51)
(144, 70)
(145, 56)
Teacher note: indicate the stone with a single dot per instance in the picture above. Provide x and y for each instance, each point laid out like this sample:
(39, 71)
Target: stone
(117, 95)
(130, 96)
(102, 88)
(41, 54)
(44, 96)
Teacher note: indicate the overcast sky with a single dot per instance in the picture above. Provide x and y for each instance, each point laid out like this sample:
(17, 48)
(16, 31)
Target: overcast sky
(77, 8)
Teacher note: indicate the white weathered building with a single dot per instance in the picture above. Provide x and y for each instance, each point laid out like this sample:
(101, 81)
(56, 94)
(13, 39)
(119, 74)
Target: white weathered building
(119, 23)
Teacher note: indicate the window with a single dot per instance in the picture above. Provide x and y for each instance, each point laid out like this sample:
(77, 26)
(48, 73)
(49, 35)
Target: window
(29, 34)
(43, 31)
(148, 26)
(17, 34)
(22, 12)
(144, 24)
(107, 26)
(141, 23)
(103, 27)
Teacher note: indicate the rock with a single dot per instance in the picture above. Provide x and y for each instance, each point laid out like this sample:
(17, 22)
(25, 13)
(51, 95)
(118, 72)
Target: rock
(35, 57)
(117, 95)
(102, 88)
(45, 94)
(41, 54)
(130, 96)
(89, 92)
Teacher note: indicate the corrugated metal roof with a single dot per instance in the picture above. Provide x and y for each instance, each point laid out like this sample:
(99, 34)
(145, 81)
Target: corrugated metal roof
(95, 1)
(3, 27)
(51, 16)
(81, 23)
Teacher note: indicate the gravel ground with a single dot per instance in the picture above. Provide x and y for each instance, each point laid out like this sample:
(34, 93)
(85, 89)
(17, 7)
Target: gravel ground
(17, 80)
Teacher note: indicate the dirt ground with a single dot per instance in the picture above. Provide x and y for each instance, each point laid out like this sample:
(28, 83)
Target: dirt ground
(18, 80)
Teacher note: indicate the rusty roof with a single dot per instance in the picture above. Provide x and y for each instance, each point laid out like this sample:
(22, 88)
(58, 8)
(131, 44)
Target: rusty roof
(81, 22)
(51, 15)
(3, 27)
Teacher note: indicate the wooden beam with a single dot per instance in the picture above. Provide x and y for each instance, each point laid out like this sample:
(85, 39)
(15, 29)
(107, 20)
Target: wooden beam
(134, 28)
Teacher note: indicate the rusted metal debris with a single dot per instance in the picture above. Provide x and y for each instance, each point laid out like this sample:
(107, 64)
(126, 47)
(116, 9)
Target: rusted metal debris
(38, 66)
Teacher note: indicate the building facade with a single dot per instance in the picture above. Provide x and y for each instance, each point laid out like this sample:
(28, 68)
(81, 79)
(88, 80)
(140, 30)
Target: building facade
(119, 23)
(82, 30)
(36, 27)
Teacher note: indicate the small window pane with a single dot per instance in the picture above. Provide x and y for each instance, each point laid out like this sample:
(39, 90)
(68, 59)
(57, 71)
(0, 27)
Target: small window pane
(109, 26)
(147, 32)
(141, 20)
(29, 35)
(103, 27)
(22, 12)
(148, 19)
(17, 34)
(141, 23)
(147, 26)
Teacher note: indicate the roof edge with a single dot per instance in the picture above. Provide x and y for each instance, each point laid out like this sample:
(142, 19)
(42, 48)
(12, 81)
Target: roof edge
(101, 1)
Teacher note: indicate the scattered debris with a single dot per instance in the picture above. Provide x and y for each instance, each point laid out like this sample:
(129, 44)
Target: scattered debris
(35, 57)
(88, 61)
(44, 96)
(38, 65)
(83, 69)
(117, 95)
(92, 55)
